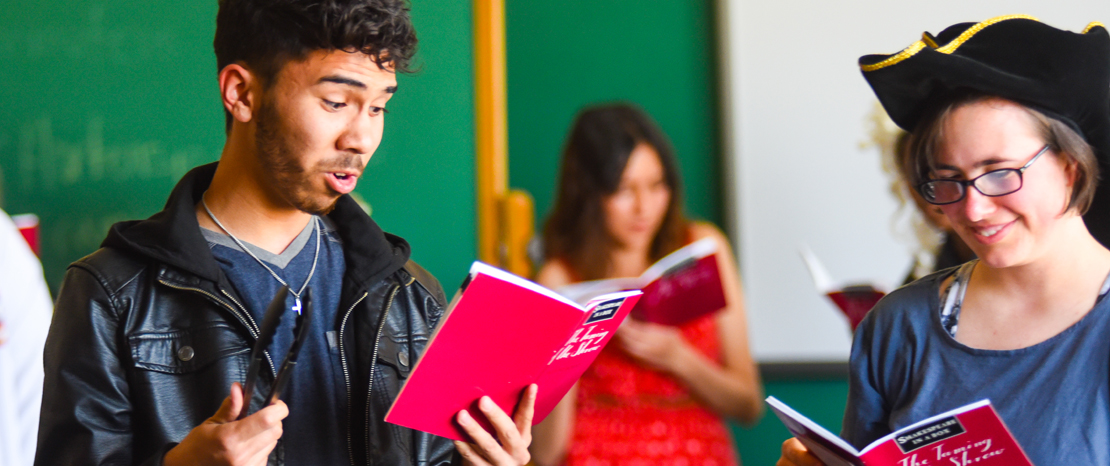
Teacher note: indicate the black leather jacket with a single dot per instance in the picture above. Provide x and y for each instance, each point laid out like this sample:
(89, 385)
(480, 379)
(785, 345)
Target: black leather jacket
(148, 336)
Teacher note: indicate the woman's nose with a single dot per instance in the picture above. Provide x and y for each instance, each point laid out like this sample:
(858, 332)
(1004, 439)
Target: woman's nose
(976, 205)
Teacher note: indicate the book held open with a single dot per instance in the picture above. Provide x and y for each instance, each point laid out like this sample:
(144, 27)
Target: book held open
(684, 285)
(970, 434)
(500, 334)
(854, 300)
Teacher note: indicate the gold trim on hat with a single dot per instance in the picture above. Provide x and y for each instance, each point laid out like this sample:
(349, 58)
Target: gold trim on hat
(948, 48)
(1093, 25)
(929, 40)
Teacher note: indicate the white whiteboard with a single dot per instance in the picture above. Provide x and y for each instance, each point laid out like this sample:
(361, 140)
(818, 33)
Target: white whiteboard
(796, 109)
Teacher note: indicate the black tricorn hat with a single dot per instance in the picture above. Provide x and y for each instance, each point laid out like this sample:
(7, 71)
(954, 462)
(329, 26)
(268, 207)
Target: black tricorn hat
(1063, 74)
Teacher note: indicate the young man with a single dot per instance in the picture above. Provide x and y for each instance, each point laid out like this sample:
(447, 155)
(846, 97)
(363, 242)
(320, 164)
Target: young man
(152, 329)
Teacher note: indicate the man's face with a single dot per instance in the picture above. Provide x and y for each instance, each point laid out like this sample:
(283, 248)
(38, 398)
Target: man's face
(318, 124)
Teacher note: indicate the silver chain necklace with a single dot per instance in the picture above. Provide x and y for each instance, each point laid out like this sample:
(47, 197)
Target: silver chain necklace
(297, 293)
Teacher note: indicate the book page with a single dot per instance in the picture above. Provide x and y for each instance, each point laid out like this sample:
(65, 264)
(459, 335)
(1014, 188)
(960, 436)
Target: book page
(583, 292)
(698, 249)
(483, 268)
(829, 447)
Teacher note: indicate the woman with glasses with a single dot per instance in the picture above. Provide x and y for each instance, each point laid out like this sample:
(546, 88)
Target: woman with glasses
(656, 394)
(1009, 119)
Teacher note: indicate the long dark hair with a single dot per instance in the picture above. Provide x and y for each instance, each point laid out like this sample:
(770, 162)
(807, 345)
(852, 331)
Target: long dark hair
(594, 158)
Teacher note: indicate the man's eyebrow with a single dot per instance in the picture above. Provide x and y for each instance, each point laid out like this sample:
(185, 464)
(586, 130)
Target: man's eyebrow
(342, 80)
(351, 82)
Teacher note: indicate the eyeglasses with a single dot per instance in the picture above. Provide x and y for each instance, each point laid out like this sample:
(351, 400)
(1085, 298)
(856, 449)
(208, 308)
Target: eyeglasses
(993, 184)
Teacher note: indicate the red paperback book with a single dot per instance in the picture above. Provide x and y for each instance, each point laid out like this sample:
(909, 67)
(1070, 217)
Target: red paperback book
(500, 334)
(854, 300)
(684, 285)
(971, 434)
(28, 225)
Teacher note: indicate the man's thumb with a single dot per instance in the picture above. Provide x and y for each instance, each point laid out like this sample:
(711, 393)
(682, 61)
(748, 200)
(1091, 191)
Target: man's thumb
(229, 409)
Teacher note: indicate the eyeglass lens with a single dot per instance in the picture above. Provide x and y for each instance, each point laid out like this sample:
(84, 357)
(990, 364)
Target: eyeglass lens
(994, 183)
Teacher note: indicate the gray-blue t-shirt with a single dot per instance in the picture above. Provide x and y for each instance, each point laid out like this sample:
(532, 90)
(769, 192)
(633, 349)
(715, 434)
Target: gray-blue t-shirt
(314, 433)
(1054, 396)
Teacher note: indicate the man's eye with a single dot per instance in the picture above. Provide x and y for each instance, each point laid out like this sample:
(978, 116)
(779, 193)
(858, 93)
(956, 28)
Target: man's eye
(378, 110)
(334, 105)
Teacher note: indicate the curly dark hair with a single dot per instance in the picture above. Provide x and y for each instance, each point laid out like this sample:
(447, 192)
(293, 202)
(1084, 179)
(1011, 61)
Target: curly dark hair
(265, 34)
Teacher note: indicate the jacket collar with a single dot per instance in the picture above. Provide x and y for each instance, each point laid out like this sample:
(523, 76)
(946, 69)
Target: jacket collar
(173, 235)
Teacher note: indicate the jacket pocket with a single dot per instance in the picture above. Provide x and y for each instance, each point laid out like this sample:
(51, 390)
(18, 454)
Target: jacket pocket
(396, 355)
(186, 350)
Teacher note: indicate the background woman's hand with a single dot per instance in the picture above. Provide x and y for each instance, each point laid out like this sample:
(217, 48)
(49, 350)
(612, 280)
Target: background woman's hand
(796, 454)
(657, 346)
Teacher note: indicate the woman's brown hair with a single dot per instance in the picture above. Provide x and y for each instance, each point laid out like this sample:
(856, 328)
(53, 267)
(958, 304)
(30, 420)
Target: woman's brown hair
(1060, 137)
(594, 158)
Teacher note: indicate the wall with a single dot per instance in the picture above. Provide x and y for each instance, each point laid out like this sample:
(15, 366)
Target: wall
(565, 55)
(819, 398)
(802, 171)
(108, 103)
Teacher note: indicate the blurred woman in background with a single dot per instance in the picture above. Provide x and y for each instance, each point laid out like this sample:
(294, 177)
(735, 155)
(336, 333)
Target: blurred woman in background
(656, 394)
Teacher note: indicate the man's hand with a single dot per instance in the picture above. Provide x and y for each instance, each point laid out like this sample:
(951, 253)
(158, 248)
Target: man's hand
(514, 434)
(221, 440)
(796, 454)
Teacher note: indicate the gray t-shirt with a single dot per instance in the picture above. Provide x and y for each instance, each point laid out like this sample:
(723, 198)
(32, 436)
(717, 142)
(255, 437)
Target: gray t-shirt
(1054, 396)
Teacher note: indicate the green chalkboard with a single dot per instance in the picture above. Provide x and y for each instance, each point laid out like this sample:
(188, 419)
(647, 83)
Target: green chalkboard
(107, 103)
(569, 54)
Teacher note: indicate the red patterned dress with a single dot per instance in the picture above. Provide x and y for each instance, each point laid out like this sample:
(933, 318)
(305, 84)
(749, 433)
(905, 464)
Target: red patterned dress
(630, 415)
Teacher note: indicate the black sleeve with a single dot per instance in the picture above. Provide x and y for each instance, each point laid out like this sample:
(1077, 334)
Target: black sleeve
(86, 410)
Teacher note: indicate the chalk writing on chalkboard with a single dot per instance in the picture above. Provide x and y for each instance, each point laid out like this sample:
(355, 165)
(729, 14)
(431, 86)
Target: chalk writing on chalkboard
(46, 162)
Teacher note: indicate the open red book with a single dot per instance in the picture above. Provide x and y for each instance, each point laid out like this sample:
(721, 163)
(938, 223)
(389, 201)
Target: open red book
(854, 300)
(684, 285)
(500, 334)
(971, 434)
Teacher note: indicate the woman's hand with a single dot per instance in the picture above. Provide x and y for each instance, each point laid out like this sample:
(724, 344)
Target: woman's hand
(796, 454)
(657, 346)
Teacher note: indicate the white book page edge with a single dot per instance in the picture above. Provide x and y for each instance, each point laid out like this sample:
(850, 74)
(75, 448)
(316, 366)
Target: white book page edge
(698, 249)
(611, 296)
(960, 410)
(812, 426)
(821, 278)
(583, 292)
(494, 272)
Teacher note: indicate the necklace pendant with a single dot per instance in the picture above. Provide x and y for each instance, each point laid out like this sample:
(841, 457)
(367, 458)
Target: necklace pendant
(297, 305)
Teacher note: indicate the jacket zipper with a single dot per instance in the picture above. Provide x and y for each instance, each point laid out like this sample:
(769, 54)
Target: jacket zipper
(346, 373)
(374, 365)
(243, 316)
